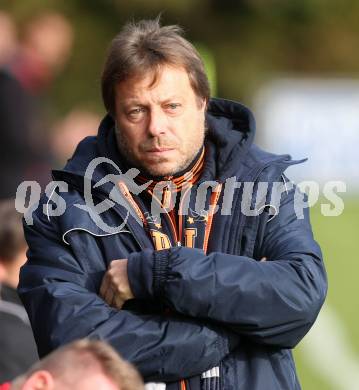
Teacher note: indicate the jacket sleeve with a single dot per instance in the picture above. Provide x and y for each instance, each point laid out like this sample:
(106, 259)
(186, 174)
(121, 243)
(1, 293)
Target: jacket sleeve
(273, 302)
(62, 302)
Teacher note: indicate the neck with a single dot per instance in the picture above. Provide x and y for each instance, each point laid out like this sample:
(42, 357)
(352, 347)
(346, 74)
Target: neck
(12, 279)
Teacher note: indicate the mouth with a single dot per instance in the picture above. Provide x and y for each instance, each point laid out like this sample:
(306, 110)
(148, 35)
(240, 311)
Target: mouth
(159, 151)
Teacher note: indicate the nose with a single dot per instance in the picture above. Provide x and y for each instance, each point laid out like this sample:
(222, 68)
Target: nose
(156, 123)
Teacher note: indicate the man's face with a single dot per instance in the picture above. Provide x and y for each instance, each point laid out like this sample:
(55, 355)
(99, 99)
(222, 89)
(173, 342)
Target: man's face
(160, 126)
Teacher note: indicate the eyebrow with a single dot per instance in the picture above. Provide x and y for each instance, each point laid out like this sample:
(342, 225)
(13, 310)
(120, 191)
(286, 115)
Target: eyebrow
(172, 98)
(137, 101)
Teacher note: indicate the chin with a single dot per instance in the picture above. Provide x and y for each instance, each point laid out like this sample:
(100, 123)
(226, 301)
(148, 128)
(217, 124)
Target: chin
(160, 171)
(164, 166)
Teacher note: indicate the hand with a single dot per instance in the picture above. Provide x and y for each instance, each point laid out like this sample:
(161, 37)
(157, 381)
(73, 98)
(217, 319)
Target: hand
(115, 288)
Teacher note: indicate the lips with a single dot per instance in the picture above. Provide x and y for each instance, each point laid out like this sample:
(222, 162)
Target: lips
(159, 150)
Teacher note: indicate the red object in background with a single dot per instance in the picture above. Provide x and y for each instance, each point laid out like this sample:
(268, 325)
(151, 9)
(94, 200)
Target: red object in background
(5, 386)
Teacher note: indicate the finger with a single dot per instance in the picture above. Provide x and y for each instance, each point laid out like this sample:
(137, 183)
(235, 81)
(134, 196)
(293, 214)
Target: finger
(117, 302)
(115, 263)
(108, 297)
(104, 285)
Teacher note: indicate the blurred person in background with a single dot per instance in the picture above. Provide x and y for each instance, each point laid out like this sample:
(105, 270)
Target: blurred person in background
(17, 345)
(67, 133)
(8, 38)
(44, 49)
(81, 365)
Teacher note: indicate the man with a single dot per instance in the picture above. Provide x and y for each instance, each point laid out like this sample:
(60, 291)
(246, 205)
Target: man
(196, 291)
(17, 344)
(82, 365)
(40, 56)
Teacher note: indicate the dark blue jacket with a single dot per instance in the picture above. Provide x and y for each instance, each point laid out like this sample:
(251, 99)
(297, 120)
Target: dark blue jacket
(228, 308)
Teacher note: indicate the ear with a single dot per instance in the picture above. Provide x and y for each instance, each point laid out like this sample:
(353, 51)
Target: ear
(39, 380)
(204, 104)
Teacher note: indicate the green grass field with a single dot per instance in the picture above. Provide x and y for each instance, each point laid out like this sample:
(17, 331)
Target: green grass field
(339, 240)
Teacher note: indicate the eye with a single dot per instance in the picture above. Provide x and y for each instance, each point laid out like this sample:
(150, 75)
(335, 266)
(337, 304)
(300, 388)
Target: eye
(172, 106)
(136, 112)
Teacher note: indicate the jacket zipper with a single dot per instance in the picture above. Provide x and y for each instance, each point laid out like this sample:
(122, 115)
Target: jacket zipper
(212, 204)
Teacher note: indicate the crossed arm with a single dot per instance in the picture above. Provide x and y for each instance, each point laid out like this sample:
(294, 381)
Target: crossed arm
(273, 302)
(60, 292)
(220, 298)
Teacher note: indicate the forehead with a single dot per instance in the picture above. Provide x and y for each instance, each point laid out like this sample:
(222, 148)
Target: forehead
(167, 82)
(95, 381)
